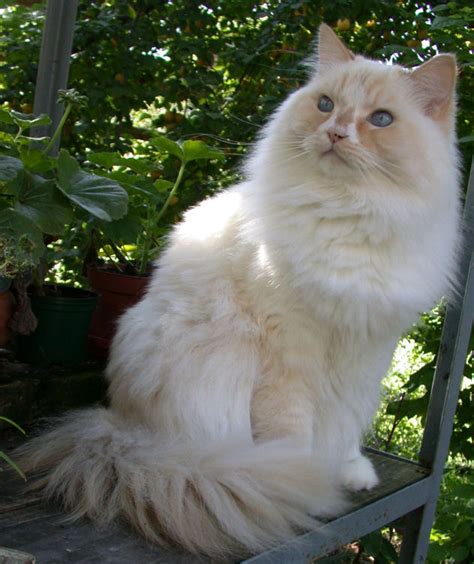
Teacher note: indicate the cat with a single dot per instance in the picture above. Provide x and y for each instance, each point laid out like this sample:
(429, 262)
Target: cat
(242, 383)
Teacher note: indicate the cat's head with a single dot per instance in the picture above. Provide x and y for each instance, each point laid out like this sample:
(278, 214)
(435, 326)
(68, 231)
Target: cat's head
(358, 118)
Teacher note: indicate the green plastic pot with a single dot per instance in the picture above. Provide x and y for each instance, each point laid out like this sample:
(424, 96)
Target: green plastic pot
(63, 324)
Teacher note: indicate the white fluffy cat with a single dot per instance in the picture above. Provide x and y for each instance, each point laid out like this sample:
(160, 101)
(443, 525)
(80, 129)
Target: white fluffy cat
(241, 384)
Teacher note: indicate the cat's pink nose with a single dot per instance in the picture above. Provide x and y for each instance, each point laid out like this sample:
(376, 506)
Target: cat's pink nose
(336, 136)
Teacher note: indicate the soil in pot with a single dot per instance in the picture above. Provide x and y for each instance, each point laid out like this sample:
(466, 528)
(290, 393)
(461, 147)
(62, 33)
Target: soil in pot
(64, 315)
(118, 292)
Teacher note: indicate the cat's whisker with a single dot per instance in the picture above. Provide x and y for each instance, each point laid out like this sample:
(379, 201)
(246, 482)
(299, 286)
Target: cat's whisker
(367, 161)
(391, 175)
(301, 154)
(291, 143)
(217, 138)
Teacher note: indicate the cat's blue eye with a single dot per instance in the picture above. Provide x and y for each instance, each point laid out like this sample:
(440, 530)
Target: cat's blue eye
(325, 104)
(381, 118)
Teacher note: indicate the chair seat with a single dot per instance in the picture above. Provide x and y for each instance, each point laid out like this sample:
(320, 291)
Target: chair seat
(404, 486)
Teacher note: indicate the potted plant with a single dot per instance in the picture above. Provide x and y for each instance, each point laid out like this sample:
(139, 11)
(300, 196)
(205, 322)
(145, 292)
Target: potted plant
(40, 195)
(130, 244)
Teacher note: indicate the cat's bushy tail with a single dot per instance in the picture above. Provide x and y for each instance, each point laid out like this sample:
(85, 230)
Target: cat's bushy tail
(218, 499)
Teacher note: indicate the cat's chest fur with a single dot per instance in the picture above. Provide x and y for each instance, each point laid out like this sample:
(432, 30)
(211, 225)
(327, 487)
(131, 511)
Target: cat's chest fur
(350, 270)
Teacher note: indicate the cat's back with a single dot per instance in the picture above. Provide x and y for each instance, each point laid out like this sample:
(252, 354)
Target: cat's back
(196, 270)
(205, 236)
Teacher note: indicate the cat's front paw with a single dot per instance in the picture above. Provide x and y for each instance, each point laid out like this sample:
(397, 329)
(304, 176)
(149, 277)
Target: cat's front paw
(359, 474)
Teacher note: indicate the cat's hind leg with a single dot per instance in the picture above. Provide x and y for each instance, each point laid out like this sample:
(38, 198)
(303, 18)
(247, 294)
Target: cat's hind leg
(281, 409)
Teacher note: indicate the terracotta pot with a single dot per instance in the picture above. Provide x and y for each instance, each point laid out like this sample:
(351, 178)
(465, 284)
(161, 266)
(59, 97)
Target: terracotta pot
(6, 311)
(117, 293)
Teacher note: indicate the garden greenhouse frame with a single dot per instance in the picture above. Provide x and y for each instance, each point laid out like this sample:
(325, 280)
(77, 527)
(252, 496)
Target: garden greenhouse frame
(408, 490)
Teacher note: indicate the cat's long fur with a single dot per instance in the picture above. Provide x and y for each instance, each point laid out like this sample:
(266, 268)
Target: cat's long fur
(241, 384)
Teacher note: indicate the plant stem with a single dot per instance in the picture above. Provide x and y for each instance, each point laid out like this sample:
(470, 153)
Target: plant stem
(172, 193)
(396, 421)
(146, 244)
(19, 134)
(149, 236)
(110, 257)
(122, 258)
(56, 134)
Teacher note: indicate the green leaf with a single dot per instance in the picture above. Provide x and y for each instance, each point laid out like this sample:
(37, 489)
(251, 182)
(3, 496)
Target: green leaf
(5, 116)
(467, 139)
(146, 190)
(440, 8)
(194, 150)
(26, 121)
(35, 160)
(9, 168)
(10, 462)
(14, 225)
(13, 424)
(437, 552)
(140, 166)
(460, 553)
(125, 230)
(166, 145)
(463, 530)
(132, 12)
(104, 158)
(109, 160)
(441, 22)
(101, 197)
(162, 186)
(7, 140)
(409, 407)
(421, 377)
(463, 490)
(124, 178)
(377, 545)
(41, 202)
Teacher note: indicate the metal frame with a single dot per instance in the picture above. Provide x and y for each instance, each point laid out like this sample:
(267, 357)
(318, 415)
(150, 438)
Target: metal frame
(53, 68)
(444, 393)
(417, 501)
(353, 525)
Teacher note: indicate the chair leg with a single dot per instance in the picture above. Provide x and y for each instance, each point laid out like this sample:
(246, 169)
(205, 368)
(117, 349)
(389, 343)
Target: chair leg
(416, 535)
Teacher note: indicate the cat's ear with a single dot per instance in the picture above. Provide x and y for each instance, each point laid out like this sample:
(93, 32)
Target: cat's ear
(330, 49)
(434, 83)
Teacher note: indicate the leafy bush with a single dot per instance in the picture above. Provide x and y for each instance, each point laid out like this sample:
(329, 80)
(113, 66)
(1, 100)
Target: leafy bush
(41, 194)
(135, 240)
(218, 68)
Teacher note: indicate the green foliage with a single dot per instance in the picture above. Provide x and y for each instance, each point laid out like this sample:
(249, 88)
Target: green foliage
(399, 428)
(414, 394)
(135, 240)
(102, 198)
(452, 537)
(378, 545)
(217, 69)
(39, 194)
